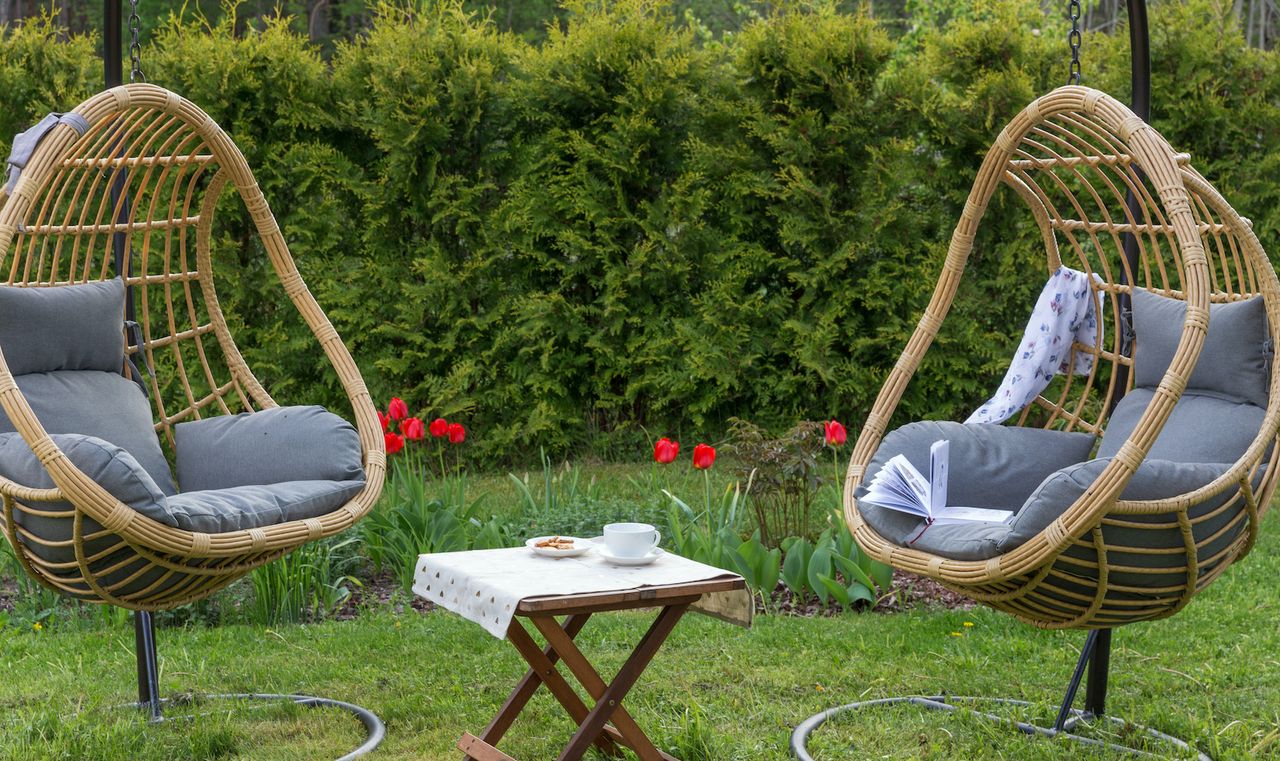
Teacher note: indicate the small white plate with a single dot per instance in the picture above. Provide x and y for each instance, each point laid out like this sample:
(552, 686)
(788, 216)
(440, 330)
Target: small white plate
(580, 546)
(653, 555)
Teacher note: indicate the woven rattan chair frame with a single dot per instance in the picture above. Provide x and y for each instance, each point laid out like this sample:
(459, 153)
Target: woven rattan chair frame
(1073, 156)
(172, 163)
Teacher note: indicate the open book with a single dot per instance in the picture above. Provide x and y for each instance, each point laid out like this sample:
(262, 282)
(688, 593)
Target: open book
(899, 486)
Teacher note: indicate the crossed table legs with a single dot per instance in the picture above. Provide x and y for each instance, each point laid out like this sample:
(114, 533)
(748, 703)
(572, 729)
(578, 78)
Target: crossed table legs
(594, 726)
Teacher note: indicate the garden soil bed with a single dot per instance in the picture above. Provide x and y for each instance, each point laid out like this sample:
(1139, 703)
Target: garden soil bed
(383, 591)
(909, 591)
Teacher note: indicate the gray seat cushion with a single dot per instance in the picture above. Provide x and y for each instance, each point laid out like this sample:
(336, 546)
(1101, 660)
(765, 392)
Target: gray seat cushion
(244, 507)
(96, 403)
(1234, 361)
(117, 471)
(66, 327)
(305, 443)
(992, 466)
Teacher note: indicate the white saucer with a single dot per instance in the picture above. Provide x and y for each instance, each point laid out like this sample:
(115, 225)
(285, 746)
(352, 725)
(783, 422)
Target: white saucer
(580, 546)
(609, 557)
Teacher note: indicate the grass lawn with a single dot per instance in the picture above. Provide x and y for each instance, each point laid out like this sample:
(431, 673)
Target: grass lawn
(1211, 674)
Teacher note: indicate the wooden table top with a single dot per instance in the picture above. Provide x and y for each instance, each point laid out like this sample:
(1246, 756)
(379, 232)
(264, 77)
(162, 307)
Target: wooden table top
(642, 597)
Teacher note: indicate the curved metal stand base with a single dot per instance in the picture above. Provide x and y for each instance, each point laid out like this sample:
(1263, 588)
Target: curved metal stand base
(800, 737)
(376, 731)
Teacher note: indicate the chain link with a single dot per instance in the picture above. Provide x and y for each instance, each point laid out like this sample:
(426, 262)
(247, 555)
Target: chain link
(1073, 40)
(135, 49)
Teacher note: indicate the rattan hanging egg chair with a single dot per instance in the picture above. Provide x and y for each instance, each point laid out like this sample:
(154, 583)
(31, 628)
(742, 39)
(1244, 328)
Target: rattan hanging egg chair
(128, 187)
(1073, 156)
(1184, 466)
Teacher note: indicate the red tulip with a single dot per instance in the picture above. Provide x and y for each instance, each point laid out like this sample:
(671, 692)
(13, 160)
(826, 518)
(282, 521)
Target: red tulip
(385, 419)
(413, 429)
(704, 456)
(398, 409)
(439, 427)
(836, 434)
(665, 450)
(457, 434)
(394, 442)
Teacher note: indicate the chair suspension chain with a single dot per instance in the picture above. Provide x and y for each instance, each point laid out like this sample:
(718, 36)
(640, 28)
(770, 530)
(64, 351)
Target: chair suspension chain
(1073, 40)
(135, 49)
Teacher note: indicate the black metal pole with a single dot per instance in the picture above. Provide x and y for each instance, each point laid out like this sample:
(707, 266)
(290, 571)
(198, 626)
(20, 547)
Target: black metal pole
(1095, 691)
(112, 43)
(1140, 63)
(1086, 658)
(144, 632)
(1140, 81)
(144, 640)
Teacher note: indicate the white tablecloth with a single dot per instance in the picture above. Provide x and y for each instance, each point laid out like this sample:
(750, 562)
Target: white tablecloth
(485, 586)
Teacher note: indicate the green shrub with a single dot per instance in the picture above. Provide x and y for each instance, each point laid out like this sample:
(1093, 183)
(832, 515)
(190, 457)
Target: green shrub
(624, 228)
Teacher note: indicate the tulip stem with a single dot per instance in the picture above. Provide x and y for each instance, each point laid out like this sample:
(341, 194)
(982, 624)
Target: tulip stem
(706, 480)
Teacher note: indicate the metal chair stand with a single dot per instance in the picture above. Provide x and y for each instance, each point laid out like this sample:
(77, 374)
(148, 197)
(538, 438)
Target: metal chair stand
(1095, 657)
(150, 701)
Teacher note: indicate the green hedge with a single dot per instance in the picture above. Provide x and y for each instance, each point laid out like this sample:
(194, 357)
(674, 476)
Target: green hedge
(624, 230)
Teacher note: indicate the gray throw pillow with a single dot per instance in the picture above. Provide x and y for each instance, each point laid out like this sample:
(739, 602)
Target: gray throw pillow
(1155, 479)
(1135, 572)
(267, 447)
(64, 327)
(102, 404)
(992, 466)
(1201, 428)
(1234, 362)
(108, 465)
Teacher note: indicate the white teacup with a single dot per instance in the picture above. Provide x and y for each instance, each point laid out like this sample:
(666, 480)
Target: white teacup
(631, 540)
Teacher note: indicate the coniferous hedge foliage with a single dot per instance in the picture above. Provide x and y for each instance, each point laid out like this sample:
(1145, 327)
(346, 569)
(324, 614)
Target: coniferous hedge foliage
(626, 229)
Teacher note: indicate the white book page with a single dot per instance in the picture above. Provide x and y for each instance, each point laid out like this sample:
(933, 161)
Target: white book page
(899, 486)
(970, 514)
(914, 481)
(939, 465)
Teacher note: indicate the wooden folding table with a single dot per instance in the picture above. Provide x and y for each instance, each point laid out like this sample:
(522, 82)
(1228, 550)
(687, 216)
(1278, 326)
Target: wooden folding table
(606, 724)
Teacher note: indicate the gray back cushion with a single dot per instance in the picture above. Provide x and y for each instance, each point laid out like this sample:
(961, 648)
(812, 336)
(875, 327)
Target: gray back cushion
(305, 443)
(66, 327)
(992, 466)
(1201, 428)
(1234, 360)
(102, 404)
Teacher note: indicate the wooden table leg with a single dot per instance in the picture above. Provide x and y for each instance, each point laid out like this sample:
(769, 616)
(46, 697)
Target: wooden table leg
(590, 727)
(556, 684)
(479, 750)
(525, 690)
(628, 731)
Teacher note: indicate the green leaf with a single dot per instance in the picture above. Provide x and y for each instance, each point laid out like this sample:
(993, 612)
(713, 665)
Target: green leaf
(829, 586)
(882, 574)
(851, 570)
(770, 568)
(819, 565)
(795, 568)
(858, 591)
